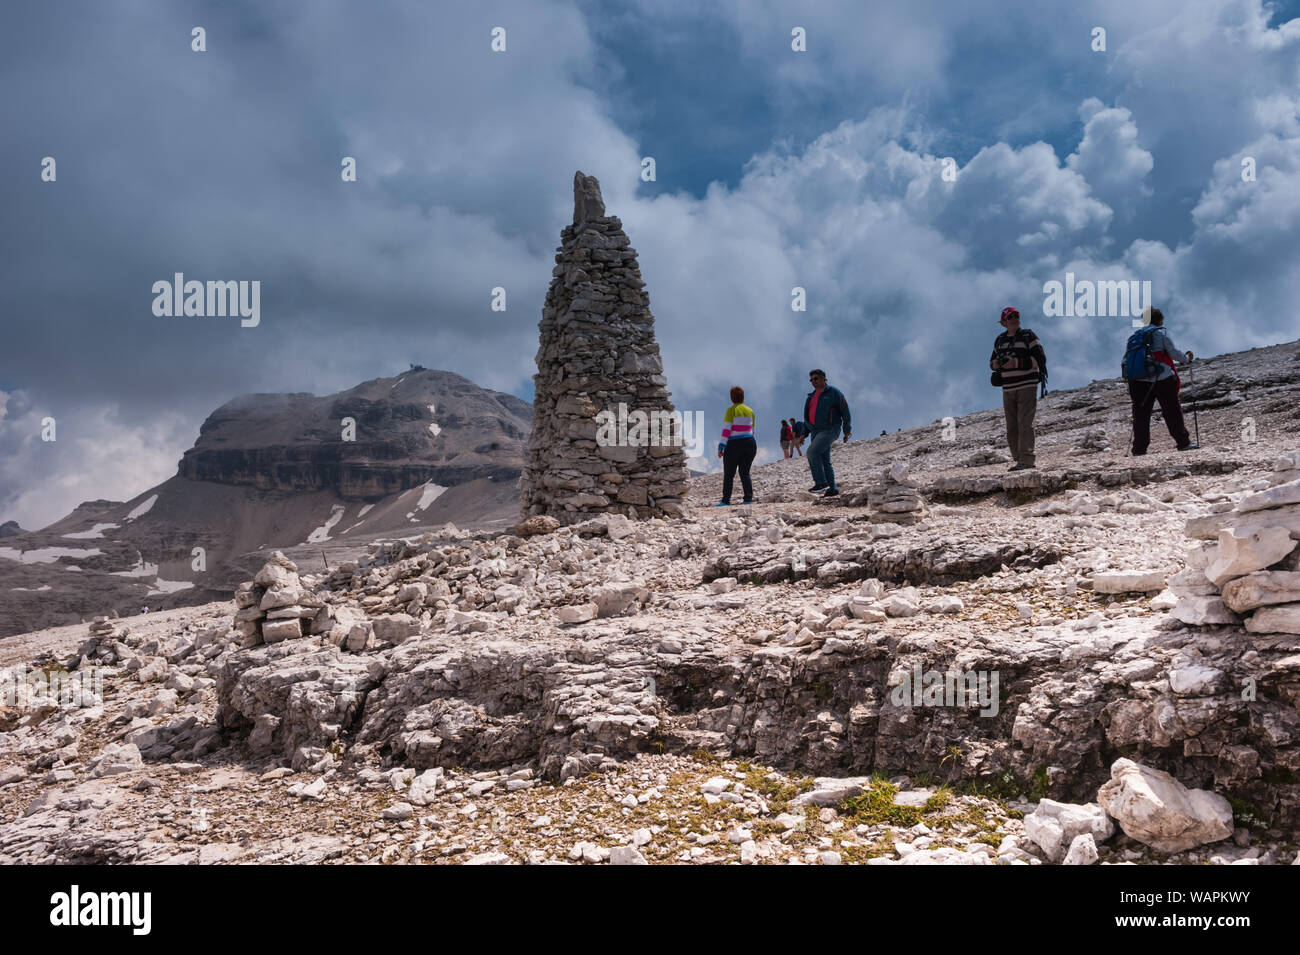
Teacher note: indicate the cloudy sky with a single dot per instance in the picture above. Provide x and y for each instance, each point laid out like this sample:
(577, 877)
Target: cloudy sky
(775, 168)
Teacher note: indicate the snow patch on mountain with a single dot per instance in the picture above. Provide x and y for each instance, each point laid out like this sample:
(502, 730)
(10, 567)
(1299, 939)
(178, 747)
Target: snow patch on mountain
(143, 507)
(322, 533)
(94, 533)
(47, 555)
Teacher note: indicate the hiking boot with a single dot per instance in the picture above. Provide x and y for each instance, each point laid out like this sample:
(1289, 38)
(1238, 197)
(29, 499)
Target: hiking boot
(833, 492)
(1021, 467)
(818, 487)
(723, 504)
(748, 500)
(1193, 446)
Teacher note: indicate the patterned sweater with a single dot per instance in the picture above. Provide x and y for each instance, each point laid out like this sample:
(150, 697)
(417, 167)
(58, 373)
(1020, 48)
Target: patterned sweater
(1026, 352)
(737, 423)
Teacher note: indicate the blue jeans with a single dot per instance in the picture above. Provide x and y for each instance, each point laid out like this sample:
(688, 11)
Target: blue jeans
(819, 456)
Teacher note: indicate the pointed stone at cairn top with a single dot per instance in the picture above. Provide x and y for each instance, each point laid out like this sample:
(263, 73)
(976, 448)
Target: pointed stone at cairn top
(587, 200)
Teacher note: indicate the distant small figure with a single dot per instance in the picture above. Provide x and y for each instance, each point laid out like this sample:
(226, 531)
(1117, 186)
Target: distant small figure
(144, 609)
(882, 432)
(800, 431)
(787, 438)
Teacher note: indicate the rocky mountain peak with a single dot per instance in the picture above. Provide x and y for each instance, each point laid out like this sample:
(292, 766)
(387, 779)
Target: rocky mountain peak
(383, 436)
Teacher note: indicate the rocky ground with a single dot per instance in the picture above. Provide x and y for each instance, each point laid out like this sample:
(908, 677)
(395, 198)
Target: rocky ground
(731, 686)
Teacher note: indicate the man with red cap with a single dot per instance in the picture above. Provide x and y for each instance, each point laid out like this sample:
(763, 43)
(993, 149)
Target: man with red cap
(1018, 365)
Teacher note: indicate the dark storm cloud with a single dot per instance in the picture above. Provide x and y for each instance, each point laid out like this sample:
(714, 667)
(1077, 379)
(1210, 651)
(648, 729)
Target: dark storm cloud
(224, 165)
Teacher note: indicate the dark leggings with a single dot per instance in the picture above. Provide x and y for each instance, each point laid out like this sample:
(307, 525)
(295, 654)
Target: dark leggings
(738, 454)
(1144, 395)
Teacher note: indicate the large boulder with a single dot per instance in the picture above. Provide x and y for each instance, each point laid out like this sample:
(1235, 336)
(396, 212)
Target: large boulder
(1159, 811)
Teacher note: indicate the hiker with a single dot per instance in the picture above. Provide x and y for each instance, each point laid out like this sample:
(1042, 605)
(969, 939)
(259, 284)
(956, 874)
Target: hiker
(800, 432)
(1018, 365)
(787, 438)
(1149, 369)
(737, 447)
(824, 411)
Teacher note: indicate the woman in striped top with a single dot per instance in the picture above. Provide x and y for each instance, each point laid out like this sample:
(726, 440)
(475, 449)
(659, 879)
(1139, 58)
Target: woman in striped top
(737, 447)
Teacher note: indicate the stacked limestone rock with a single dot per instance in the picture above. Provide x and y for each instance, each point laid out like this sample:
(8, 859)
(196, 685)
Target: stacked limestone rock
(894, 498)
(1251, 572)
(103, 628)
(598, 352)
(275, 605)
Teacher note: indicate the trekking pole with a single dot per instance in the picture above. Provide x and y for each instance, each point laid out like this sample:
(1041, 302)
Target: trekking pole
(1191, 383)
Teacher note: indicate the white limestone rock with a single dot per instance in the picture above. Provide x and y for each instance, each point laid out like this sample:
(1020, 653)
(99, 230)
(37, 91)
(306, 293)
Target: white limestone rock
(1280, 619)
(1203, 611)
(1243, 550)
(1279, 496)
(1053, 826)
(1260, 588)
(1128, 581)
(577, 613)
(830, 791)
(1159, 811)
(1083, 850)
(626, 855)
(116, 758)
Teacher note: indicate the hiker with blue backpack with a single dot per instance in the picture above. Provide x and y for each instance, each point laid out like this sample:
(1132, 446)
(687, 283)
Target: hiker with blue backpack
(1148, 367)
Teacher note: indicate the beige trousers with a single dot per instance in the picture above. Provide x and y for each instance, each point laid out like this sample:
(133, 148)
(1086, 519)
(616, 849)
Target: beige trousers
(1020, 407)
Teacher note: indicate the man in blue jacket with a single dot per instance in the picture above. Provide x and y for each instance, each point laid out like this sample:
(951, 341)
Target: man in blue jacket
(825, 411)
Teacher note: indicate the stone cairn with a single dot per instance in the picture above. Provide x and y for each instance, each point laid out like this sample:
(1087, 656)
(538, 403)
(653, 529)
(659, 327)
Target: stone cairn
(275, 605)
(1251, 573)
(893, 498)
(598, 355)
